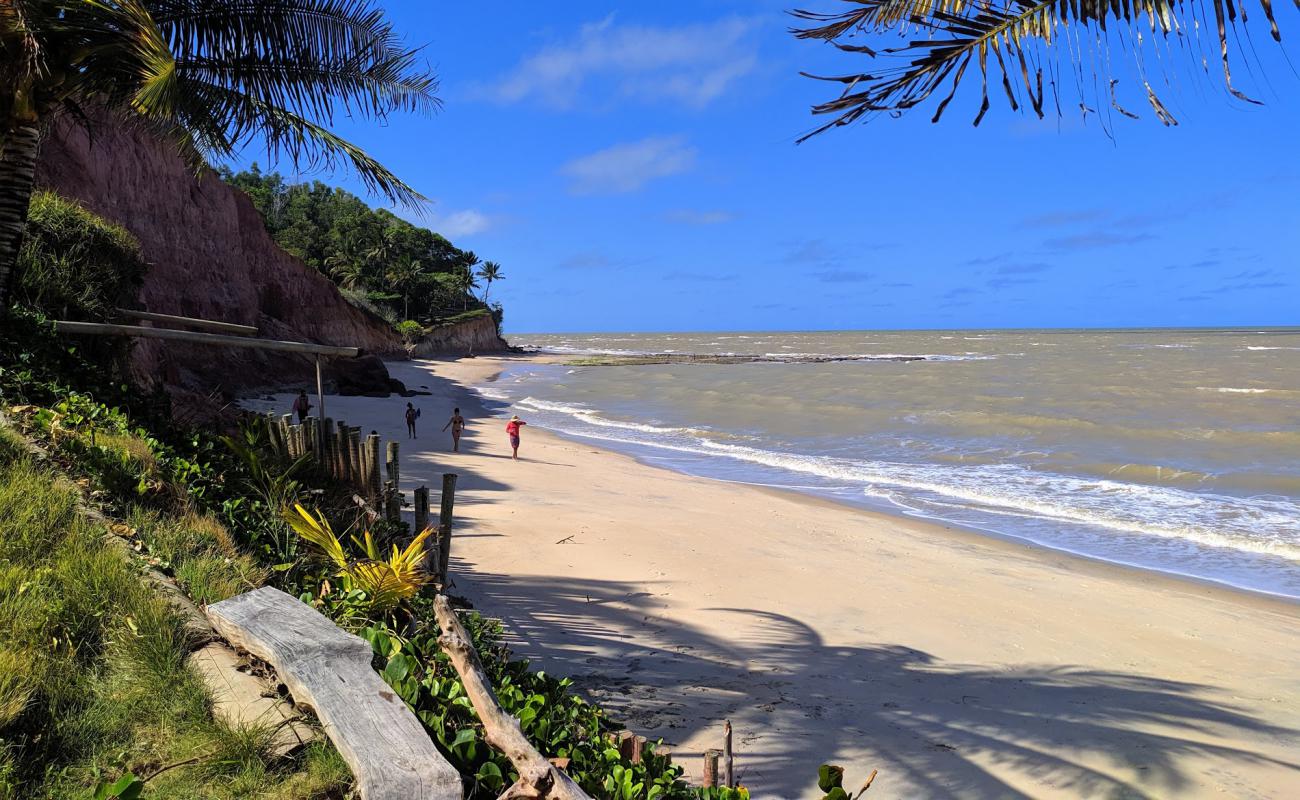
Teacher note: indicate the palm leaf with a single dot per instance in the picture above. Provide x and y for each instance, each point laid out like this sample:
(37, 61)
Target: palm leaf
(1021, 43)
(317, 530)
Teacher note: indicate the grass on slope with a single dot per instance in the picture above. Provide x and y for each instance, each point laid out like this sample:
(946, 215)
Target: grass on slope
(93, 675)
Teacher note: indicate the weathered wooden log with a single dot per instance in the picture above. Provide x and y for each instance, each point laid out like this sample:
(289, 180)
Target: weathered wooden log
(328, 670)
(728, 763)
(538, 778)
(444, 524)
(711, 768)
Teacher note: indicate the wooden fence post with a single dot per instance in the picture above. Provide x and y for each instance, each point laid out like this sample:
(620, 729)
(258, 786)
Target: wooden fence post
(393, 468)
(310, 430)
(273, 434)
(392, 505)
(374, 477)
(355, 470)
(327, 446)
(421, 509)
(728, 764)
(448, 500)
(340, 451)
(711, 768)
(286, 434)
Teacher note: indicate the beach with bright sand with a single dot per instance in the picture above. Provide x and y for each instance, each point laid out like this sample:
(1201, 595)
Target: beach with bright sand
(956, 664)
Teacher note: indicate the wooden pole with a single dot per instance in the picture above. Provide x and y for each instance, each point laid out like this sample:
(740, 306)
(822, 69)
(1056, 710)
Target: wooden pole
(108, 329)
(448, 500)
(209, 324)
(711, 768)
(320, 390)
(421, 509)
(286, 433)
(728, 764)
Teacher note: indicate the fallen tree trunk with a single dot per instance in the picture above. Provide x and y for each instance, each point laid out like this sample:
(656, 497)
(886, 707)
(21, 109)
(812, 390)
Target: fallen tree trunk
(538, 777)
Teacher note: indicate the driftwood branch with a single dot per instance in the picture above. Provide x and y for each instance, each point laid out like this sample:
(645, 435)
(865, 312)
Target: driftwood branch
(538, 778)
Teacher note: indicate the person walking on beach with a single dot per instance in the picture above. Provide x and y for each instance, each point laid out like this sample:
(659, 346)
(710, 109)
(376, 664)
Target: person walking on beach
(412, 414)
(512, 430)
(457, 425)
(302, 405)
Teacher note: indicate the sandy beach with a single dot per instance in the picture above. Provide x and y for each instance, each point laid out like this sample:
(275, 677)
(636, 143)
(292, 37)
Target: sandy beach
(957, 665)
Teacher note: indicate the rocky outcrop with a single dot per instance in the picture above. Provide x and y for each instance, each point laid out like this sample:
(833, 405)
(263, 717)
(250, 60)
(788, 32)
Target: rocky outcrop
(477, 335)
(210, 257)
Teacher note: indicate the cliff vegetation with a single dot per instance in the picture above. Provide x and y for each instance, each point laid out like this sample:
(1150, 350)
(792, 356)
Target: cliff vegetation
(379, 260)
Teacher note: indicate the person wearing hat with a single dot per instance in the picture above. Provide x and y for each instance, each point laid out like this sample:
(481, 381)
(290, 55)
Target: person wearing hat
(512, 430)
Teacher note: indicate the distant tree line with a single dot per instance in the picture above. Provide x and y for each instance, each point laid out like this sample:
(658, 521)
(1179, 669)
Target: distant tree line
(379, 260)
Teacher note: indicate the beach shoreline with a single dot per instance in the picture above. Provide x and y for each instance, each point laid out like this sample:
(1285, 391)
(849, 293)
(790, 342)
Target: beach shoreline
(955, 662)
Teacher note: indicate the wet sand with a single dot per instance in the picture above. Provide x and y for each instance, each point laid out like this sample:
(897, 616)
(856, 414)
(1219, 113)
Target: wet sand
(955, 664)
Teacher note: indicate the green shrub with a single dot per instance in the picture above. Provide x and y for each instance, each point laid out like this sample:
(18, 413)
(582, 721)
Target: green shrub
(74, 264)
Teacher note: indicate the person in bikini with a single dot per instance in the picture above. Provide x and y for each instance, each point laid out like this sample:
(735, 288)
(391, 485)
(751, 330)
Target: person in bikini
(457, 425)
(512, 430)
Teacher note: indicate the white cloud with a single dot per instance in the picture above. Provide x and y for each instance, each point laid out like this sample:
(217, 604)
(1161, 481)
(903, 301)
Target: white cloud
(461, 223)
(693, 64)
(690, 216)
(627, 167)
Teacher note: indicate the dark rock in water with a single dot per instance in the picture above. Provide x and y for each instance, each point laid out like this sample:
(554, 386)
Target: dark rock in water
(366, 376)
(396, 387)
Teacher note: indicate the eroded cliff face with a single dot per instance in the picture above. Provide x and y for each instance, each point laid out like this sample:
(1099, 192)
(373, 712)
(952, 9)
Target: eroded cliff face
(477, 335)
(210, 257)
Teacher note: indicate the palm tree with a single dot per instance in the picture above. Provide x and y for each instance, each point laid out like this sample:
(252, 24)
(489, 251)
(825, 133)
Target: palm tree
(210, 75)
(383, 251)
(403, 276)
(1022, 40)
(489, 272)
(466, 283)
(344, 264)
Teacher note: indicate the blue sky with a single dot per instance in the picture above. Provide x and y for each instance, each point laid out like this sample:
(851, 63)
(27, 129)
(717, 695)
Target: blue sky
(633, 166)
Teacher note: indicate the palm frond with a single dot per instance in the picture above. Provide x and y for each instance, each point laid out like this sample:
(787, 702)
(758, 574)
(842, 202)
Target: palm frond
(317, 530)
(217, 75)
(1020, 42)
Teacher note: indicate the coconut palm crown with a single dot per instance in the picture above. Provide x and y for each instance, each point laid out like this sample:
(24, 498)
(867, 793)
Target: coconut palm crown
(211, 75)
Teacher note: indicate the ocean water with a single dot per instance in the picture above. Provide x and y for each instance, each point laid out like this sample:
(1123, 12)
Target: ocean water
(1169, 450)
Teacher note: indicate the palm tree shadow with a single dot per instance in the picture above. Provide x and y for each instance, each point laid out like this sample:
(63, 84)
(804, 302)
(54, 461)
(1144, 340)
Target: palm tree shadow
(934, 728)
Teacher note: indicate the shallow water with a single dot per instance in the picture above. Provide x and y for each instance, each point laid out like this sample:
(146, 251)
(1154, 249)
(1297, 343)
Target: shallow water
(1169, 450)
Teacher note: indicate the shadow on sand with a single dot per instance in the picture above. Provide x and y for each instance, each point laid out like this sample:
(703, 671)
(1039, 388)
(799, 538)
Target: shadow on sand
(939, 729)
